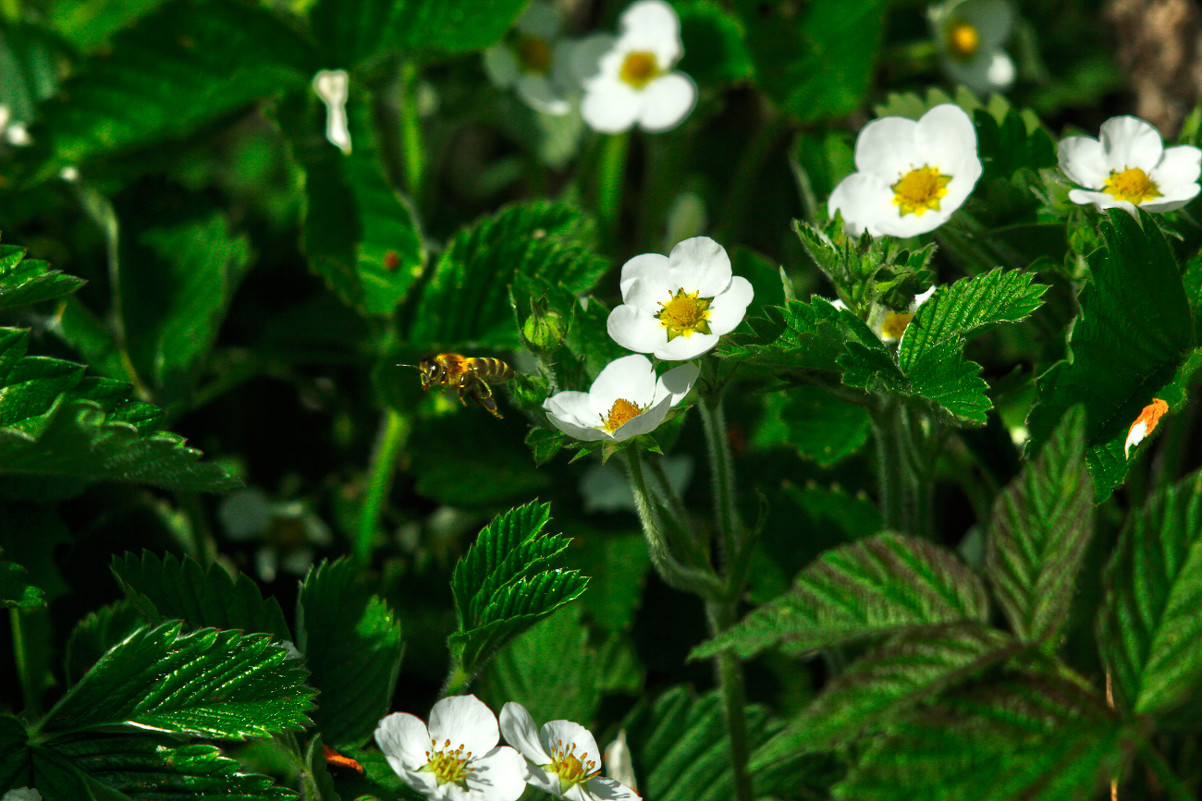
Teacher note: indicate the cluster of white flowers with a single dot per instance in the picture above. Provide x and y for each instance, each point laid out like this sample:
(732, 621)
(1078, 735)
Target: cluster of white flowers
(458, 758)
(617, 81)
(674, 307)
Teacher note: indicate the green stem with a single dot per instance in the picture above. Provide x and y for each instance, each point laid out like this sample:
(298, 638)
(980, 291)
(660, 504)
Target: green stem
(677, 576)
(611, 177)
(895, 475)
(392, 441)
(722, 479)
(729, 672)
(201, 544)
(412, 150)
(456, 683)
(29, 687)
(680, 516)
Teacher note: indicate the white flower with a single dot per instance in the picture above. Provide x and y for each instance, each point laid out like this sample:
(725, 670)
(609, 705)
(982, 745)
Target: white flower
(911, 175)
(624, 401)
(289, 531)
(633, 81)
(563, 758)
(457, 758)
(332, 86)
(532, 62)
(677, 306)
(970, 35)
(22, 794)
(889, 324)
(1128, 166)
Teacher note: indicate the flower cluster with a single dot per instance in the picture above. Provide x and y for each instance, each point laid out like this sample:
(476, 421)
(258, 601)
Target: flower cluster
(619, 81)
(458, 758)
(674, 307)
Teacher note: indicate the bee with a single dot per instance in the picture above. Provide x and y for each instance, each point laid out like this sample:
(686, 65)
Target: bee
(470, 375)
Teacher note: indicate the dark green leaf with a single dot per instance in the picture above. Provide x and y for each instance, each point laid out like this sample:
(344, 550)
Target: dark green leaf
(1149, 632)
(14, 771)
(943, 376)
(15, 589)
(454, 26)
(352, 644)
(890, 680)
(797, 336)
(24, 281)
(98, 632)
(821, 426)
(714, 49)
(170, 589)
(1040, 527)
(876, 587)
(352, 32)
(208, 683)
(1134, 333)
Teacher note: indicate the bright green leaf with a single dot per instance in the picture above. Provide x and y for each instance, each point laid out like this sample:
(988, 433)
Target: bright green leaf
(15, 590)
(797, 336)
(24, 281)
(943, 376)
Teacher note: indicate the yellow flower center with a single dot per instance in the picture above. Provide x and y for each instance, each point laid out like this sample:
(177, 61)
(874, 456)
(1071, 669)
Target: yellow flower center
(571, 769)
(449, 765)
(685, 314)
(639, 69)
(622, 412)
(1132, 184)
(895, 324)
(919, 190)
(962, 40)
(534, 54)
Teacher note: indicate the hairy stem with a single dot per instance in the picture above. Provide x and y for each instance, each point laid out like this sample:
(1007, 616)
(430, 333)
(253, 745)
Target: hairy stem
(456, 681)
(611, 177)
(904, 492)
(722, 479)
(392, 440)
(413, 153)
(729, 672)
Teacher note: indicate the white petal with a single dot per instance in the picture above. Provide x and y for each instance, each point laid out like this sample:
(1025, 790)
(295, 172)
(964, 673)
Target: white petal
(601, 788)
(521, 732)
(570, 734)
(652, 25)
(584, 56)
(609, 106)
(865, 200)
(912, 224)
(635, 329)
(644, 423)
(1131, 142)
(540, 19)
(683, 348)
(944, 137)
(676, 383)
(403, 737)
(1001, 72)
(499, 775)
(699, 264)
(541, 94)
(993, 19)
(666, 101)
(885, 148)
(964, 179)
(1083, 161)
(501, 66)
(987, 71)
(729, 308)
(1099, 199)
(1180, 165)
(646, 282)
(1171, 201)
(464, 720)
(572, 414)
(630, 378)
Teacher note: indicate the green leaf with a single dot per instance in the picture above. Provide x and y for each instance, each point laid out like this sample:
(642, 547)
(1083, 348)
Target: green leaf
(1040, 527)
(352, 32)
(181, 66)
(15, 590)
(170, 589)
(25, 281)
(1029, 737)
(823, 427)
(881, 586)
(13, 739)
(943, 376)
(55, 422)
(207, 683)
(967, 306)
(797, 336)
(715, 51)
(88, 24)
(1134, 332)
(502, 585)
(467, 299)
(137, 767)
(454, 26)
(353, 646)
(815, 61)
(96, 633)
(891, 680)
(1149, 632)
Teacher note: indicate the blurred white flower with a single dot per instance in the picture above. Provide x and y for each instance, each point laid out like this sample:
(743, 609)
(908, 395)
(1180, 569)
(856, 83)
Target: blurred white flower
(288, 530)
(22, 794)
(969, 35)
(1128, 166)
(534, 61)
(332, 86)
(911, 176)
(632, 82)
(562, 757)
(677, 306)
(457, 757)
(890, 324)
(625, 400)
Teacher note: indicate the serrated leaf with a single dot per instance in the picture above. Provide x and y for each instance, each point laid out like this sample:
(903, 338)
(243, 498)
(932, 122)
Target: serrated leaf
(353, 646)
(1039, 529)
(823, 427)
(890, 680)
(943, 376)
(1133, 335)
(881, 586)
(24, 281)
(176, 68)
(140, 768)
(967, 306)
(1149, 632)
(96, 633)
(15, 590)
(467, 299)
(171, 589)
(1035, 738)
(797, 336)
(207, 683)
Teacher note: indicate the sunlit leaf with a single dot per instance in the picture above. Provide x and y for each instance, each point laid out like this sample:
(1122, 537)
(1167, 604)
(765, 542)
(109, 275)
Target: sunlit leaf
(24, 281)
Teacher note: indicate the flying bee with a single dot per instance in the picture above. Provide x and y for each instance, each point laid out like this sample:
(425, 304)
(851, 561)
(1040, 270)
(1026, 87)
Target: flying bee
(470, 375)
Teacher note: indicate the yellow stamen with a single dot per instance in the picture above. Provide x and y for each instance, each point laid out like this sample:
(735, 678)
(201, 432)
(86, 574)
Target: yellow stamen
(895, 324)
(571, 769)
(639, 69)
(685, 314)
(919, 190)
(622, 411)
(962, 40)
(1132, 184)
(534, 54)
(449, 765)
